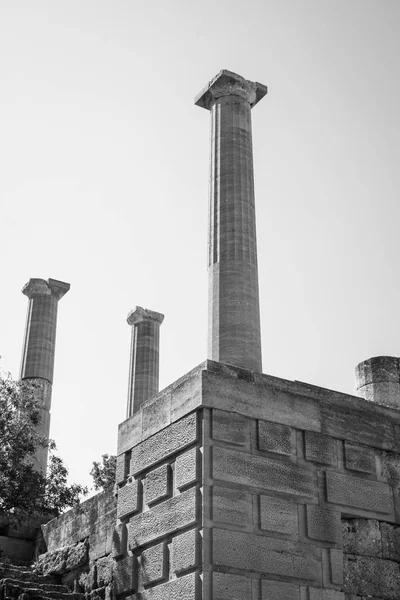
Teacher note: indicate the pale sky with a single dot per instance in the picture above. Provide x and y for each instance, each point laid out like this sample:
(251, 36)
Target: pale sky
(104, 184)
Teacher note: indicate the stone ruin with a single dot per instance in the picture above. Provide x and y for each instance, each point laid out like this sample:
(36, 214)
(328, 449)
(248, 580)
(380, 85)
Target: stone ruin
(232, 484)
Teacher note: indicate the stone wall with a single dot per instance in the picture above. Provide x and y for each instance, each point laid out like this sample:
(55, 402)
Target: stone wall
(79, 545)
(233, 485)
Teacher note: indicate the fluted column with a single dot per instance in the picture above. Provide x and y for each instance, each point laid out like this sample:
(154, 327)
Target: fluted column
(234, 315)
(38, 352)
(145, 357)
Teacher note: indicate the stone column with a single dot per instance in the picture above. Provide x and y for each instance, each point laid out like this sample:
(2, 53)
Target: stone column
(378, 380)
(39, 348)
(145, 357)
(234, 314)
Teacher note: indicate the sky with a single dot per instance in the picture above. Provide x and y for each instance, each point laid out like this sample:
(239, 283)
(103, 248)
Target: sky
(104, 184)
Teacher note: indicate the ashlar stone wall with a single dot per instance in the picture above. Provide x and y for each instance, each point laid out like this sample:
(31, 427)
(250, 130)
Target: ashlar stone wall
(233, 485)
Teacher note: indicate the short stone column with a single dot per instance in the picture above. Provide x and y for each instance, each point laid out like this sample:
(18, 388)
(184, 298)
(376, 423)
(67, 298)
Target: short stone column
(234, 314)
(145, 357)
(378, 380)
(38, 352)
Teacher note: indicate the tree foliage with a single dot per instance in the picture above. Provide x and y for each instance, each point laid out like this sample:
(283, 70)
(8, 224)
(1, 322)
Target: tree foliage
(23, 490)
(104, 473)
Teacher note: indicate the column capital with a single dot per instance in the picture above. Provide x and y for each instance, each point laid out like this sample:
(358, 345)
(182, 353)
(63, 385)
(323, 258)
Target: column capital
(227, 83)
(139, 314)
(41, 287)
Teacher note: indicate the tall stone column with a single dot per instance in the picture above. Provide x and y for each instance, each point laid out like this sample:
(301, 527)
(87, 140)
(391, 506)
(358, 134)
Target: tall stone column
(234, 314)
(145, 357)
(39, 348)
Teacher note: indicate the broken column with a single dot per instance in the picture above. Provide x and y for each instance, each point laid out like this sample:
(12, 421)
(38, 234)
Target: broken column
(39, 349)
(234, 313)
(145, 357)
(378, 380)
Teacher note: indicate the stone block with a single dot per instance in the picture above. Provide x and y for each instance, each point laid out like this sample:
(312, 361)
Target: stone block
(104, 571)
(324, 524)
(152, 564)
(320, 448)
(184, 551)
(125, 572)
(121, 471)
(367, 576)
(321, 594)
(186, 468)
(278, 514)
(362, 536)
(390, 541)
(359, 493)
(119, 537)
(230, 587)
(156, 415)
(263, 472)
(231, 506)
(165, 518)
(183, 588)
(165, 443)
(129, 433)
(278, 590)
(229, 427)
(359, 458)
(128, 499)
(157, 484)
(391, 468)
(252, 552)
(65, 559)
(336, 562)
(274, 437)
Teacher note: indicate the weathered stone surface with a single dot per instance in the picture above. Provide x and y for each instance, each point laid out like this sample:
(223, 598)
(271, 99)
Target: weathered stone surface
(152, 566)
(367, 576)
(325, 594)
(129, 433)
(362, 536)
(119, 537)
(360, 493)
(359, 458)
(120, 472)
(104, 571)
(278, 514)
(320, 448)
(266, 555)
(391, 468)
(183, 588)
(262, 472)
(274, 437)
(173, 438)
(63, 560)
(157, 484)
(229, 427)
(167, 517)
(231, 506)
(156, 414)
(264, 400)
(390, 541)
(186, 468)
(128, 499)
(184, 551)
(277, 590)
(95, 520)
(231, 587)
(336, 562)
(324, 524)
(125, 575)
